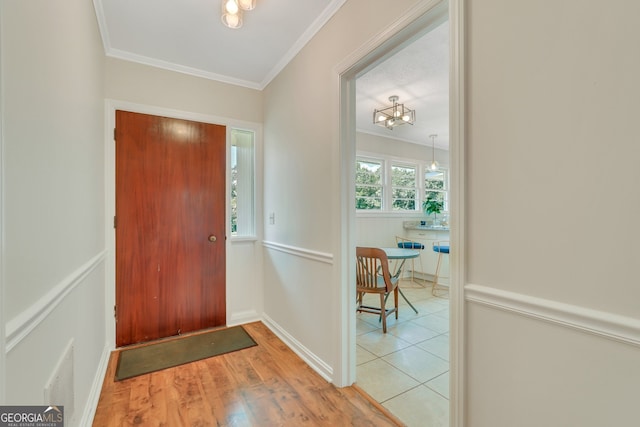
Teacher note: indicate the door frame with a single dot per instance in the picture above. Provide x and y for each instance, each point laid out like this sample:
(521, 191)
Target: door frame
(415, 21)
(111, 105)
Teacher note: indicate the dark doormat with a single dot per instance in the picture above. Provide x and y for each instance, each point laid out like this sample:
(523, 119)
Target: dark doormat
(174, 352)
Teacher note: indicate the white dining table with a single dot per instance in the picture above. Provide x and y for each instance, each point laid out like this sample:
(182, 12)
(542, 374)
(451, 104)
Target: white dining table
(402, 255)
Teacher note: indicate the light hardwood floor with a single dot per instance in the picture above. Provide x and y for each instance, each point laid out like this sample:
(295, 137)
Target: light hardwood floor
(265, 385)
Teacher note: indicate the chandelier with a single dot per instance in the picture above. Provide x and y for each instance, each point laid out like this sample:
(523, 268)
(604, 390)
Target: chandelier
(395, 115)
(232, 11)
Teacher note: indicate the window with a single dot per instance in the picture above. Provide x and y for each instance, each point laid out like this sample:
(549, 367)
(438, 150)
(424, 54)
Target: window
(435, 186)
(394, 185)
(369, 184)
(242, 183)
(403, 187)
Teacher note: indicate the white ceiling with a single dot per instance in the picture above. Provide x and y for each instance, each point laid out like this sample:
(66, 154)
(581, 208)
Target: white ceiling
(419, 75)
(188, 36)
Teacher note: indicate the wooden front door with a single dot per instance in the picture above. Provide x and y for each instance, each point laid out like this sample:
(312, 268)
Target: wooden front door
(170, 227)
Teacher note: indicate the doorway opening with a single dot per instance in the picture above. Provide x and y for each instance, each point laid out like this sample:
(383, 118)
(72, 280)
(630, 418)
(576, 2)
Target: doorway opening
(417, 24)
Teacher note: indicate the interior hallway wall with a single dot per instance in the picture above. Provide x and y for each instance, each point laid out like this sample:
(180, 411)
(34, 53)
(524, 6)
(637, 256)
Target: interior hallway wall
(302, 184)
(552, 246)
(53, 254)
(146, 85)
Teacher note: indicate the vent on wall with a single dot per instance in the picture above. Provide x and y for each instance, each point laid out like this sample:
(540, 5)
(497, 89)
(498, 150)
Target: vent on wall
(59, 389)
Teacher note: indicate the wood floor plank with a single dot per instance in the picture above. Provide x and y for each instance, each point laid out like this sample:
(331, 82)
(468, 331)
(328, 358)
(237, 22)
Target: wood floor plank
(265, 385)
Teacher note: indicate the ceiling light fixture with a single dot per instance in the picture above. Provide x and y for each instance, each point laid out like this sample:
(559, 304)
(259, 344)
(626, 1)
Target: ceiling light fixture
(395, 115)
(434, 166)
(232, 11)
(247, 4)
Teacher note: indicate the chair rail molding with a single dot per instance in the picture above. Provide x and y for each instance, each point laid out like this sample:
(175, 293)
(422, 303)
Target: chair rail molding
(601, 323)
(324, 257)
(24, 323)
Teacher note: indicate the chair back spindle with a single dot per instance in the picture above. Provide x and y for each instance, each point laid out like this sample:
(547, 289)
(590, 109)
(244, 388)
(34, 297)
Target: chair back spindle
(372, 269)
(373, 276)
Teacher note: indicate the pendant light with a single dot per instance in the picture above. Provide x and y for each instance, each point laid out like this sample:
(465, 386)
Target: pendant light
(434, 166)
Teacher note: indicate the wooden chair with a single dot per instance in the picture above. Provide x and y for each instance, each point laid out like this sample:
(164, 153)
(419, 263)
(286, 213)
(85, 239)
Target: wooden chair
(403, 242)
(373, 277)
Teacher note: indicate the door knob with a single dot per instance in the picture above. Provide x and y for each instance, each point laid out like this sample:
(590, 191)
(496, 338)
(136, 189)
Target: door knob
(212, 238)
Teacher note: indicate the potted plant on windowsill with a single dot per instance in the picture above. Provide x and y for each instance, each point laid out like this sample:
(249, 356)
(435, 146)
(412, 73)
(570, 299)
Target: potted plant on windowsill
(432, 206)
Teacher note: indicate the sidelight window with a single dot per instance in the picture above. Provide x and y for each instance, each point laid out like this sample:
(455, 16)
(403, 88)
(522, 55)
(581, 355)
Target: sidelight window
(243, 183)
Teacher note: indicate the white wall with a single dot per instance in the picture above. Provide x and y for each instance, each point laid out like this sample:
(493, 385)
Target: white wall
(398, 148)
(552, 147)
(142, 84)
(53, 207)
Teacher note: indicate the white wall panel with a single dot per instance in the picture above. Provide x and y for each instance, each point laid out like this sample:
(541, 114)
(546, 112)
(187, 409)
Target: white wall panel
(53, 206)
(380, 231)
(552, 150)
(301, 282)
(526, 372)
(143, 84)
(75, 317)
(53, 126)
(551, 158)
(244, 282)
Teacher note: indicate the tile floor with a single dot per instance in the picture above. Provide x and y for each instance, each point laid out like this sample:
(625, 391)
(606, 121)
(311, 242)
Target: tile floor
(407, 369)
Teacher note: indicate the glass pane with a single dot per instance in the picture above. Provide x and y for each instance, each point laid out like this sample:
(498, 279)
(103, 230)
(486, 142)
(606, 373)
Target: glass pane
(403, 181)
(368, 185)
(368, 197)
(434, 180)
(403, 176)
(404, 199)
(242, 183)
(234, 190)
(437, 195)
(368, 172)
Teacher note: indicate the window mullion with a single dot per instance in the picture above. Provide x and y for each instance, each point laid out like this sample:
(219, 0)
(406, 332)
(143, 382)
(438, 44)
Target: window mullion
(421, 186)
(387, 191)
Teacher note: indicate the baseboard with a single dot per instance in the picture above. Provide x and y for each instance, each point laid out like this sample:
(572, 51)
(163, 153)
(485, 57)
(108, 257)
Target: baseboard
(241, 317)
(96, 388)
(317, 364)
(604, 324)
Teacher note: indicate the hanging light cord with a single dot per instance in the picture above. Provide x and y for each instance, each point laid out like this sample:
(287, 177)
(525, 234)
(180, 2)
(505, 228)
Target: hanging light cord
(434, 165)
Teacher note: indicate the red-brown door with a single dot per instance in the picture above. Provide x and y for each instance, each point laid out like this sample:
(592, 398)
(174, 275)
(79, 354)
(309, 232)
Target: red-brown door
(170, 227)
